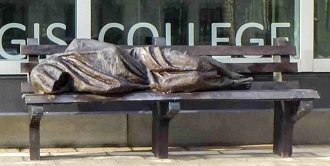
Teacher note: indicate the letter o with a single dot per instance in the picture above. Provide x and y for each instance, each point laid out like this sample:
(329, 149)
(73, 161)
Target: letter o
(131, 32)
(107, 27)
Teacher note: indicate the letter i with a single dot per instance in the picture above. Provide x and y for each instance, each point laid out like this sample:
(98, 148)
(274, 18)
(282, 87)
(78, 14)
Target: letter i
(168, 34)
(36, 33)
(191, 35)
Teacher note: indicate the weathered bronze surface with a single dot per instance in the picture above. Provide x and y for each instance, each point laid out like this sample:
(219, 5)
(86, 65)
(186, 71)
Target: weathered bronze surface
(97, 67)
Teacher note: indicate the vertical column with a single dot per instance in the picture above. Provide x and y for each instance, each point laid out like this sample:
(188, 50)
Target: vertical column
(306, 34)
(277, 76)
(83, 19)
(31, 59)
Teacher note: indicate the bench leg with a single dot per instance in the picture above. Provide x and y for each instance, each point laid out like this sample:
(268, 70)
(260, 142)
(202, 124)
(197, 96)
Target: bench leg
(36, 115)
(283, 127)
(160, 139)
(162, 114)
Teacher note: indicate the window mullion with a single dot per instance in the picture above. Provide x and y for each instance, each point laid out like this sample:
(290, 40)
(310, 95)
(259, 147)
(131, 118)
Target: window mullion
(83, 19)
(306, 46)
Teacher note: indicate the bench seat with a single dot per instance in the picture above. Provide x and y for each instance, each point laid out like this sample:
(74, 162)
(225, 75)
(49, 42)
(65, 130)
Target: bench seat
(65, 98)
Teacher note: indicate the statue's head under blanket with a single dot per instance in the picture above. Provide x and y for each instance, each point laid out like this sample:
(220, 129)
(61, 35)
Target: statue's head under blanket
(98, 67)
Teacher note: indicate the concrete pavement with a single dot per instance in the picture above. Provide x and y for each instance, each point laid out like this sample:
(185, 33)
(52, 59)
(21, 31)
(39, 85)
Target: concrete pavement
(262, 155)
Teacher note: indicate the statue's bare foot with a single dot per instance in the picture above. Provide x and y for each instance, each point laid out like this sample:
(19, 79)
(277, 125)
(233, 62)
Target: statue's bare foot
(235, 76)
(242, 83)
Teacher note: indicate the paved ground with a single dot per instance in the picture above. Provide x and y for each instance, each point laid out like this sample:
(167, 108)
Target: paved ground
(262, 155)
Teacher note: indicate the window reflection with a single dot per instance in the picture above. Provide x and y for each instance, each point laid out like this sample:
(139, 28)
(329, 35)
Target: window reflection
(53, 22)
(201, 13)
(322, 29)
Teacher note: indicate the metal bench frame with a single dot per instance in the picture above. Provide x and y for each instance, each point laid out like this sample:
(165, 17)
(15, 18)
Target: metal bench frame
(290, 102)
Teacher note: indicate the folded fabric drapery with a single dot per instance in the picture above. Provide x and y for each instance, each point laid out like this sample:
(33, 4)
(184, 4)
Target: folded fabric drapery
(97, 67)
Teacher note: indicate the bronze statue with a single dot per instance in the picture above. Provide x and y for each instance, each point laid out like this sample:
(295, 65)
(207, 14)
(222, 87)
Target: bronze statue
(99, 68)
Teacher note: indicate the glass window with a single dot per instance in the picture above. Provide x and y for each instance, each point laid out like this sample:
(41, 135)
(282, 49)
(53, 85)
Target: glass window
(53, 22)
(183, 22)
(322, 29)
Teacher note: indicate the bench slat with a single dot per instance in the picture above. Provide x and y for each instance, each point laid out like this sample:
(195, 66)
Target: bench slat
(194, 50)
(274, 85)
(304, 94)
(42, 49)
(26, 67)
(26, 87)
(237, 50)
(262, 67)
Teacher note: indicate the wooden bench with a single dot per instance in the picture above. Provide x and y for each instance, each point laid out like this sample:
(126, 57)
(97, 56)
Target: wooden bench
(290, 102)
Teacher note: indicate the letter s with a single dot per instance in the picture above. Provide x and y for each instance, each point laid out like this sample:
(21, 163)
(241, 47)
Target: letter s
(51, 35)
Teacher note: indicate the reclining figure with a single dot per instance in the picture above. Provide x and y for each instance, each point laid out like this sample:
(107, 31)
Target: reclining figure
(96, 67)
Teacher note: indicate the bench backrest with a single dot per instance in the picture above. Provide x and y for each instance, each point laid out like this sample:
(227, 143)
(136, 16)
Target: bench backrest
(280, 52)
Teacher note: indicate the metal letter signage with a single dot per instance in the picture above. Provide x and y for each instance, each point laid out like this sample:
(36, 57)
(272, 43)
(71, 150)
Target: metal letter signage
(215, 28)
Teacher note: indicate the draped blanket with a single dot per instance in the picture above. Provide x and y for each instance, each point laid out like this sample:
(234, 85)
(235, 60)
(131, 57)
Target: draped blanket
(99, 68)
